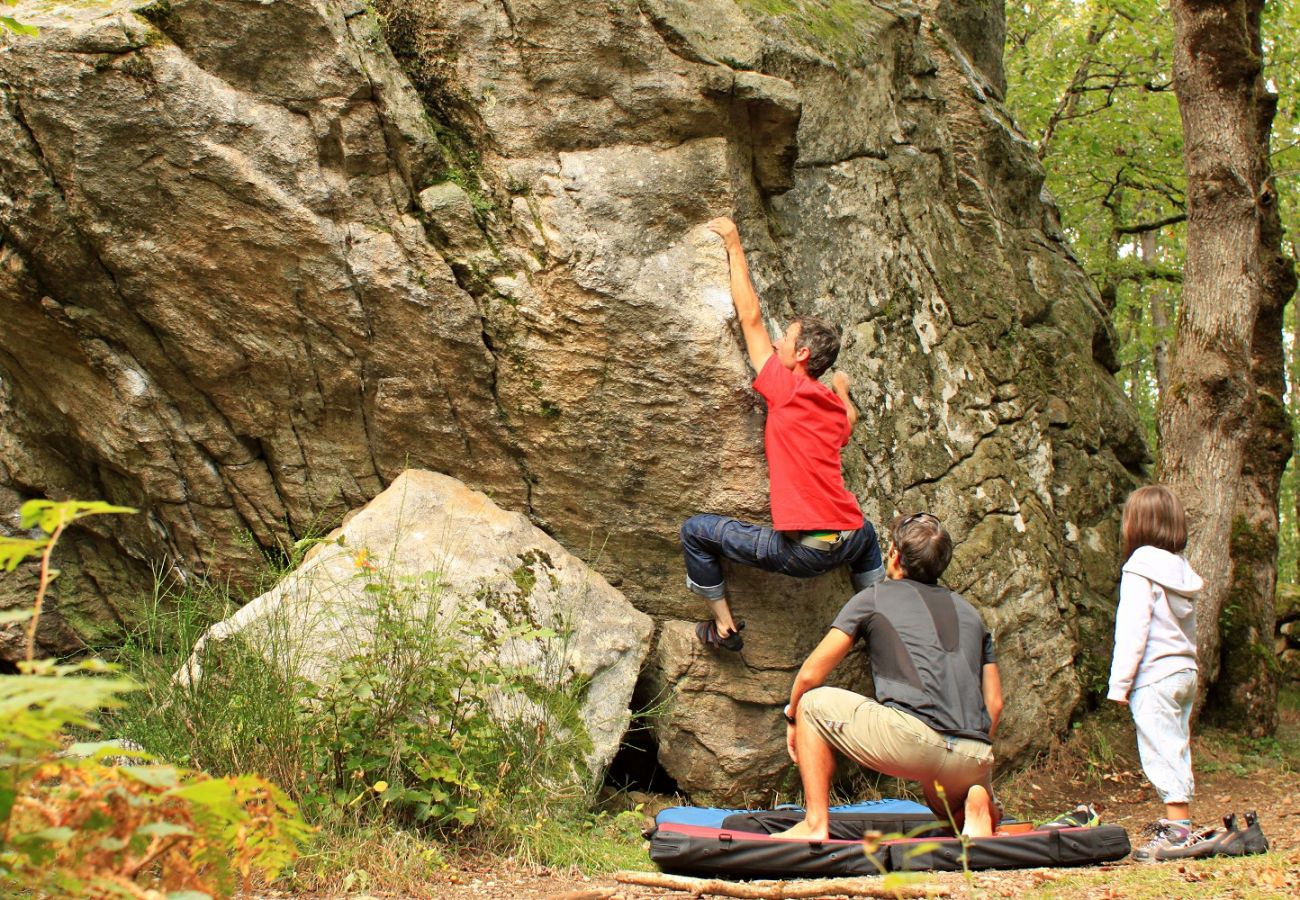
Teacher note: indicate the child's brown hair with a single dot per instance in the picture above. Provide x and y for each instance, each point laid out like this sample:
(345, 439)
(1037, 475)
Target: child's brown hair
(1154, 515)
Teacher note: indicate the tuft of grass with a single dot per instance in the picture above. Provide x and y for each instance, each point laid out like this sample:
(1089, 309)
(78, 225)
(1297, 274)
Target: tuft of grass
(343, 860)
(591, 843)
(246, 716)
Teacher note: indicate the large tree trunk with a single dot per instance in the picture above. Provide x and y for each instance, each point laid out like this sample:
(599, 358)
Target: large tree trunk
(1246, 694)
(1208, 414)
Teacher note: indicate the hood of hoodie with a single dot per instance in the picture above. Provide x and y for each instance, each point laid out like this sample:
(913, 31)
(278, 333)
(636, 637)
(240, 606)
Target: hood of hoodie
(1170, 571)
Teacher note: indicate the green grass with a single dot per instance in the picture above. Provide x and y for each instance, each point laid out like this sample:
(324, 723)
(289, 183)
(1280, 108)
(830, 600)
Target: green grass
(344, 860)
(404, 704)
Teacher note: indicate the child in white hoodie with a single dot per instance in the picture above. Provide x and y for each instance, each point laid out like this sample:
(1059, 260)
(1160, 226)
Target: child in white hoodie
(1154, 666)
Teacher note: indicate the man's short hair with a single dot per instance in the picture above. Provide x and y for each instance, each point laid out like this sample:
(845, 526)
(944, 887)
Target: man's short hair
(924, 547)
(822, 340)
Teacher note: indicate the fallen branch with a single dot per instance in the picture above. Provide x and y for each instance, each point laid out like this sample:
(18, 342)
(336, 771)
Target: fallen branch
(778, 890)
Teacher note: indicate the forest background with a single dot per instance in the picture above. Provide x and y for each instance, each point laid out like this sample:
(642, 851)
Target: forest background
(1091, 85)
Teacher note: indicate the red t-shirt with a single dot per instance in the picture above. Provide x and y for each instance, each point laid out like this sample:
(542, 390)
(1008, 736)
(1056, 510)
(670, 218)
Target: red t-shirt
(806, 427)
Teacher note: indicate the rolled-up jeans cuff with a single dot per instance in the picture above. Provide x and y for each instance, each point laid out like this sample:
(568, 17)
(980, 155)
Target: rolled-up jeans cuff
(864, 580)
(715, 592)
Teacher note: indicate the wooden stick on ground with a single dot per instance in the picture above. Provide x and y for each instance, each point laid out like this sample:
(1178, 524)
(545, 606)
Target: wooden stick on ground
(779, 890)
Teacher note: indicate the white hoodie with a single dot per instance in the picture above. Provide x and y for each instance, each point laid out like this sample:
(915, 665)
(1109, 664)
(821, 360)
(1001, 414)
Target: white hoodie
(1155, 625)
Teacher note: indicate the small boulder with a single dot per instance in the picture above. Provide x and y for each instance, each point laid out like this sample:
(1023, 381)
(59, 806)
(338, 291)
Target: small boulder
(486, 561)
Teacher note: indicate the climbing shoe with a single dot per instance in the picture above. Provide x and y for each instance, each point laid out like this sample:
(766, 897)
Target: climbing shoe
(1170, 840)
(1253, 836)
(1082, 816)
(1225, 841)
(1233, 841)
(708, 634)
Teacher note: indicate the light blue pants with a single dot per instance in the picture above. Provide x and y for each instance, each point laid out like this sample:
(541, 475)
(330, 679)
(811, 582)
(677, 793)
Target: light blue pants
(1162, 712)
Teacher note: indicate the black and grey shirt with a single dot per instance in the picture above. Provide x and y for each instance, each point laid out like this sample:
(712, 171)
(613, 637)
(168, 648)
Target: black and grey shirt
(928, 648)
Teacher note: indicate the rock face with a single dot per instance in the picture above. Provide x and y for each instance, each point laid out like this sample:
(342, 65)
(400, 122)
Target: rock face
(481, 559)
(259, 259)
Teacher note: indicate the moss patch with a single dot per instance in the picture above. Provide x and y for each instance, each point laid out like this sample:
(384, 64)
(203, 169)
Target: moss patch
(843, 30)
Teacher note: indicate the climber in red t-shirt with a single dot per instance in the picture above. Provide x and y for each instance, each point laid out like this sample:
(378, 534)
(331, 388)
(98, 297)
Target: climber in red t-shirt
(817, 524)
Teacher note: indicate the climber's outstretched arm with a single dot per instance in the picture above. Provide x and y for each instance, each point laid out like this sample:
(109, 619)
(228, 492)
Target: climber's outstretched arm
(757, 341)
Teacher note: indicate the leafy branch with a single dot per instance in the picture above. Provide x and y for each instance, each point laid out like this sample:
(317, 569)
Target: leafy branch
(52, 517)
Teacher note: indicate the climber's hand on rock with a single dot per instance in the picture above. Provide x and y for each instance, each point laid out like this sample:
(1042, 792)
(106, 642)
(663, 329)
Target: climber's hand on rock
(840, 382)
(726, 229)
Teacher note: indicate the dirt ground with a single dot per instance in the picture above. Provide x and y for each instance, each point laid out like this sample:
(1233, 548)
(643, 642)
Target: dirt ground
(1101, 768)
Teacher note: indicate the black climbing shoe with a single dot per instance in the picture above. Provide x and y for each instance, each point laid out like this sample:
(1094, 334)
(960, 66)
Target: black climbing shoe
(1253, 836)
(708, 634)
(1233, 841)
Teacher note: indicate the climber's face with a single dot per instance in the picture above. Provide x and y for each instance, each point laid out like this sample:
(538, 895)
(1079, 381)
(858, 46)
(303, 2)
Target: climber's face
(788, 350)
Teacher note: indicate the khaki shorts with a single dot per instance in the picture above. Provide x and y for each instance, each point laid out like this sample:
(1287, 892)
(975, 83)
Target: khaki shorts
(895, 743)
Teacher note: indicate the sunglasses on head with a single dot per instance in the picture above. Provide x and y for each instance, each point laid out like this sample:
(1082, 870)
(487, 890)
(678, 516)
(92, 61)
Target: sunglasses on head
(915, 517)
(908, 520)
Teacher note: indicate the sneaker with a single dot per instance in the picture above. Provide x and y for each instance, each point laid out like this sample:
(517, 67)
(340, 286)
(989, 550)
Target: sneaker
(707, 632)
(1170, 840)
(1082, 816)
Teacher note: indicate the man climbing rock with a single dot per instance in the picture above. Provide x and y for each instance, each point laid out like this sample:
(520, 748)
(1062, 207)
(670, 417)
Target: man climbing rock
(817, 524)
(938, 691)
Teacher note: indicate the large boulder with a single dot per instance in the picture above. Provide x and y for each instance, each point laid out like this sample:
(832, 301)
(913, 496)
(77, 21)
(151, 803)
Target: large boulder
(473, 559)
(274, 254)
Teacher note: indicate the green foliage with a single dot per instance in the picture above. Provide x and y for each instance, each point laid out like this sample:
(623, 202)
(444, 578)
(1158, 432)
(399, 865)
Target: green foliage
(419, 720)
(74, 826)
(51, 517)
(1091, 84)
(9, 23)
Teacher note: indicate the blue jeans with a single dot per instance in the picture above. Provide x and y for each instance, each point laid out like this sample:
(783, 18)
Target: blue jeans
(708, 539)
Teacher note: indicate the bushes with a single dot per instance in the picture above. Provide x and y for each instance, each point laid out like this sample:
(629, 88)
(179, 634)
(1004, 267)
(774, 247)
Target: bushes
(419, 719)
(79, 828)
(424, 721)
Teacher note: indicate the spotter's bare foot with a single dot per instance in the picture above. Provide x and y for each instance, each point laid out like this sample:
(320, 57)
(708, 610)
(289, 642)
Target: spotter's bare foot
(804, 832)
(979, 813)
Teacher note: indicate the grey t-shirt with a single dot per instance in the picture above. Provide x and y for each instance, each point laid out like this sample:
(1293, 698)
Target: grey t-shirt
(928, 648)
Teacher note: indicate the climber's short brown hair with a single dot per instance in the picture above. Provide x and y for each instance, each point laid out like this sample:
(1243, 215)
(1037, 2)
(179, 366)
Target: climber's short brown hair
(822, 340)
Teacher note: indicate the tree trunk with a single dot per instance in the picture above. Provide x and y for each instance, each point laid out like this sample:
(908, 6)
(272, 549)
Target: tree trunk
(1295, 410)
(1159, 299)
(1245, 697)
(1209, 411)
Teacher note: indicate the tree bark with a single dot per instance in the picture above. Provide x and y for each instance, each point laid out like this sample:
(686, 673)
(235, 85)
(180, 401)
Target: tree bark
(1208, 414)
(1159, 300)
(1295, 411)
(1245, 697)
